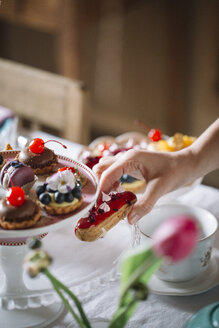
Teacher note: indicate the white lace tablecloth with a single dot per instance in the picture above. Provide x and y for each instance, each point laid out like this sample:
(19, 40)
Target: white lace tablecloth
(157, 311)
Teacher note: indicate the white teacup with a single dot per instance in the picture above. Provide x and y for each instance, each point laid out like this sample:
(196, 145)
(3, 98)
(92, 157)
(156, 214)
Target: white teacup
(198, 261)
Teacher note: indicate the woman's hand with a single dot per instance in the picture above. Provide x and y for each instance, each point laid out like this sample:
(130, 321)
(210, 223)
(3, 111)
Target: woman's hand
(163, 172)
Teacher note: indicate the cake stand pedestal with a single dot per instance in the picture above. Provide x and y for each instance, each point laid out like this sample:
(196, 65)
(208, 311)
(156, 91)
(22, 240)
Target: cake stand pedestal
(21, 307)
(31, 318)
(11, 260)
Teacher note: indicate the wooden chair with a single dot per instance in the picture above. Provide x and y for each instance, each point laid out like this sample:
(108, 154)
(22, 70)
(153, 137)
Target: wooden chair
(45, 101)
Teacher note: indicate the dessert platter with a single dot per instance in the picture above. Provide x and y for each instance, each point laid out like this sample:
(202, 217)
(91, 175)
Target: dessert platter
(55, 198)
(49, 220)
(33, 183)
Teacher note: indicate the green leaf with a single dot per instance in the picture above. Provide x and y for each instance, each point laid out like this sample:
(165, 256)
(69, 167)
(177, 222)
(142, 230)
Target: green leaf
(122, 315)
(76, 170)
(137, 268)
(82, 320)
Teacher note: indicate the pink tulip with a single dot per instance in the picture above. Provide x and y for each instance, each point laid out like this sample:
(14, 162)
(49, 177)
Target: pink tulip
(176, 237)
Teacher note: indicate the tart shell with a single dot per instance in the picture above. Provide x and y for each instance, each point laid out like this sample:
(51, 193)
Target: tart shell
(21, 225)
(60, 210)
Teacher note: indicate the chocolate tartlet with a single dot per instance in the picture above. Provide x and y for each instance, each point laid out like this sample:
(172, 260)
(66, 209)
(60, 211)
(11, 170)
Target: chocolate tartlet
(18, 217)
(15, 173)
(41, 163)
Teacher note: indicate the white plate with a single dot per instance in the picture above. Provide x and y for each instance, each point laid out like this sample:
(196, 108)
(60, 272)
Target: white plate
(205, 281)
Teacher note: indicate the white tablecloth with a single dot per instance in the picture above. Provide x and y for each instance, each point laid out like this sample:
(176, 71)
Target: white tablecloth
(157, 311)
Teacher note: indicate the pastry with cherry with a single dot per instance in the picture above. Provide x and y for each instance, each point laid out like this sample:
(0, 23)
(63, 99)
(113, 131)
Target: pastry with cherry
(17, 210)
(40, 158)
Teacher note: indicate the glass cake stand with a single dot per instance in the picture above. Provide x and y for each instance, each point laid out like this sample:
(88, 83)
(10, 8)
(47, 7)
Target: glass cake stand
(23, 304)
(84, 267)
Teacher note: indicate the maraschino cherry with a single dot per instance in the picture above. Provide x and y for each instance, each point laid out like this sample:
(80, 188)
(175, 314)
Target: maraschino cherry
(154, 135)
(72, 169)
(15, 196)
(37, 145)
(102, 147)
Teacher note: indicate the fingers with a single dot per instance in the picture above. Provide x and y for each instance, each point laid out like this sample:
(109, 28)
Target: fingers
(158, 170)
(103, 164)
(121, 165)
(147, 201)
(111, 175)
(110, 169)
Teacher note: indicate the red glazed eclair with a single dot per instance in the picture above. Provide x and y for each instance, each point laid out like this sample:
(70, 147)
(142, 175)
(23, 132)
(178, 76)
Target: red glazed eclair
(105, 215)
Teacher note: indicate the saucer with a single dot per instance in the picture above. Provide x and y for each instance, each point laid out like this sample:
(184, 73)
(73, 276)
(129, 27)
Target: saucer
(203, 282)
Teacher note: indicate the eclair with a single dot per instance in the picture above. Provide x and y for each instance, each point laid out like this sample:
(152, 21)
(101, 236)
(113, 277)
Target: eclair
(110, 209)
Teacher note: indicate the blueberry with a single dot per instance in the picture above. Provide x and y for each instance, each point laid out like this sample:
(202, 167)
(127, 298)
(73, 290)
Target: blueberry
(59, 197)
(49, 189)
(40, 189)
(69, 197)
(1, 159)
(45, 198)
(76, 192)
(16, 164)
(78, 184)
(127, 178)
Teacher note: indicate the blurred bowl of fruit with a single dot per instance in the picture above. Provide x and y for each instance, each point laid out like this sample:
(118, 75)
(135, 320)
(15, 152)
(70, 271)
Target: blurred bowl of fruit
(170, 144)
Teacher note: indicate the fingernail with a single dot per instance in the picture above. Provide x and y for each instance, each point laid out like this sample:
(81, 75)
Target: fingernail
(134, 219)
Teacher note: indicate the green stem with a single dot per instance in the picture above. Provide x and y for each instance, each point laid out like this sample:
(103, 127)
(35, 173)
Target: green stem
(152, 260)
(116, 321)
(57, 284)
(67, 305)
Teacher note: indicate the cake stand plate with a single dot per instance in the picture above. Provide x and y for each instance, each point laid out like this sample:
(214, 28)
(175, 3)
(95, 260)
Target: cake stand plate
(13, 292)
(51, 223)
